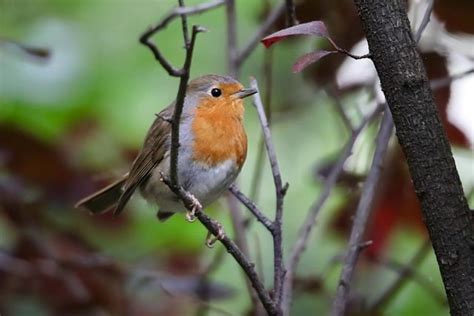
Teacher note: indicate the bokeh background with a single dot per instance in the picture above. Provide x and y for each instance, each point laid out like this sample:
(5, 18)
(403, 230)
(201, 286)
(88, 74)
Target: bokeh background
(73, 120)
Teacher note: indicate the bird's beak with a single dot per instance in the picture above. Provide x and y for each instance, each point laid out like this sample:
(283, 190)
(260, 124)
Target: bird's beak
(243, 93)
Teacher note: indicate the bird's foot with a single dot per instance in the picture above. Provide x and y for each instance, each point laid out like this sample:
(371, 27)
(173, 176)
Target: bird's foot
(191, 214)
(211, 239)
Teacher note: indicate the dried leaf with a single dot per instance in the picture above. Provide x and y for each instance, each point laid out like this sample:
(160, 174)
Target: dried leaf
(315, 28)
(307, 59)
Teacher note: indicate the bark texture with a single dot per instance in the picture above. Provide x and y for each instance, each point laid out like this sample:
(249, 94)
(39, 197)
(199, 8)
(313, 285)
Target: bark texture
(445, 210)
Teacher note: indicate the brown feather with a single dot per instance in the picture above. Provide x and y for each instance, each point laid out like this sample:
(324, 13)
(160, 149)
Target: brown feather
(154, 148)
(103, 200)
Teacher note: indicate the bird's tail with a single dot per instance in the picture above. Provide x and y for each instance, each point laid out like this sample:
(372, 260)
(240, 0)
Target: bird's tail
(104, 199)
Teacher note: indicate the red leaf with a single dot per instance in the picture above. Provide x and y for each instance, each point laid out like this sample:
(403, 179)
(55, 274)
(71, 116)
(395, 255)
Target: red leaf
(307, 59)
(316, 28)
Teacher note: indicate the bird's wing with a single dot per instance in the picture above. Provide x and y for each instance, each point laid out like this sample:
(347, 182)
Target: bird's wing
(154, 148)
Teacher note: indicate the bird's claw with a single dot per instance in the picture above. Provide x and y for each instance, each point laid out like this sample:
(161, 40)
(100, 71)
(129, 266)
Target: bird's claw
(191, 215)
(211, 239)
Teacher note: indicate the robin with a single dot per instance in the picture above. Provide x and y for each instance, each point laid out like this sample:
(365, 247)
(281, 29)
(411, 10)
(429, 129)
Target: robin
(213, 148)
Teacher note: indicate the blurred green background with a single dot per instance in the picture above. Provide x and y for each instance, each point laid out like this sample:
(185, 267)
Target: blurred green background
(90, 104)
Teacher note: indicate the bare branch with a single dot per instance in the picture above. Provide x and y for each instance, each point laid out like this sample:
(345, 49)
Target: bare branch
(246, 265)
(424, 21)
(232, 52)
(308, 224)
(362, 215)
(340, 109)
(404, 273)
(179, 105)
(182, 11)
(412, 275)
(443, 82)
(259, 34)
(290, 13)
(250, 205)
(347, 53)
(280, 189)
(36, 53)
(258, 169)
(215, 228)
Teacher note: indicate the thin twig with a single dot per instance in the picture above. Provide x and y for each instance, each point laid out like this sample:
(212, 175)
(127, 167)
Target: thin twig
(362, 215)
(309, 222)
(37, 53)
(184, 25)
(412, 275)
(403, 277)
(280, 190)
(145, 38)
(443, 82)
(232, 52)
(215, 228)
(340, 108)
(249, 268)
(290, 13)
(260, 33)
(424, 21)
(349, 54)
(250, 205)
(258, 169)
(240, 237)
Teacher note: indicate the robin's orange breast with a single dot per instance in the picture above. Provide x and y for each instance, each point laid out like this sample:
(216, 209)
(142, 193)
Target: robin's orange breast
(219, 134)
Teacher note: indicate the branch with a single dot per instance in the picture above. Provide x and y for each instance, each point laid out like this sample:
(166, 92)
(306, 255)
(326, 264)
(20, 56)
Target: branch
(239, 227)
(182, 11)
(424, 21)
(427, 150)
(412, 275)
(308, 224)
(258, 169)
(362, 215)
(340, 109)
(250, 205)
(290, 13)
(215, 228)
(403, 276)
(248, 267)
(443, 82)
(259, 34)
(280, 190)
(232, 66)
(183, 83)
(37, 53)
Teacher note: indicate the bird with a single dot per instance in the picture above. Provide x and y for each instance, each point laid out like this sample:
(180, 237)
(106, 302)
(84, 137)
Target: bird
(212, 150)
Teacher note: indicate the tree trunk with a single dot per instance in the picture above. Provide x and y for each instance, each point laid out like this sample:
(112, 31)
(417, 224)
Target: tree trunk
(445, 210)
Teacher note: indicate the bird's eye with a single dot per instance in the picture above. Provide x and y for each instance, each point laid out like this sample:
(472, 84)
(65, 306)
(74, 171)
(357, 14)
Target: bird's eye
(216, 92)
